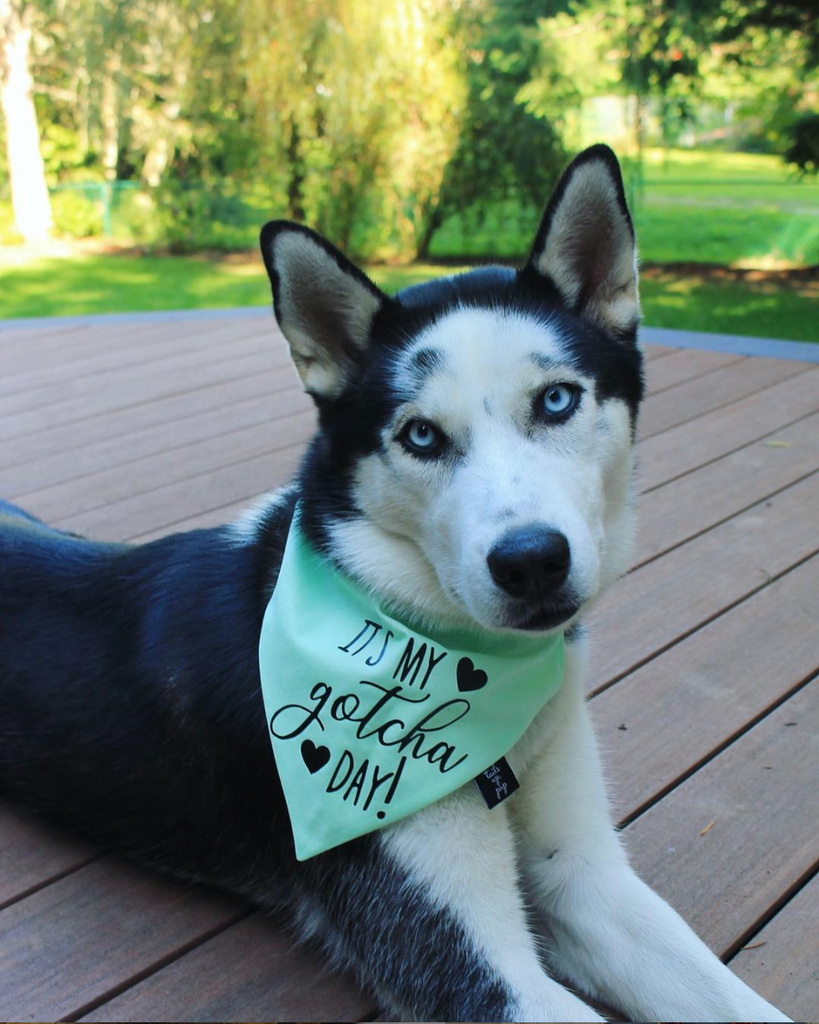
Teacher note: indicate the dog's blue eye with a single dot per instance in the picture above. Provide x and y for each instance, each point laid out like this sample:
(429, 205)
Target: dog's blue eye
(419, 436)
(558, 400)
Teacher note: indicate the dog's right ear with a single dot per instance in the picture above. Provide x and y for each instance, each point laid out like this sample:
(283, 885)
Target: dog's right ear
(324, 304)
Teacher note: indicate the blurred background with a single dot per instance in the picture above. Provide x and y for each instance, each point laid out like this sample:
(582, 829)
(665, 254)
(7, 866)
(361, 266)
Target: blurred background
(144, 142)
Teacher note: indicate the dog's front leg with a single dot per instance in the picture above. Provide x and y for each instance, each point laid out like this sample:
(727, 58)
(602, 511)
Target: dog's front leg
(613, 937)
(429, 914)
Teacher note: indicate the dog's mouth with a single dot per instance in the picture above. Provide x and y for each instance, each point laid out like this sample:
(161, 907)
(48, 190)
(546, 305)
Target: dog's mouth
(547, 618)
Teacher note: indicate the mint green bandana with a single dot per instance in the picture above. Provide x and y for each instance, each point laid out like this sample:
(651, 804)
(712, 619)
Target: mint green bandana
(371, 720)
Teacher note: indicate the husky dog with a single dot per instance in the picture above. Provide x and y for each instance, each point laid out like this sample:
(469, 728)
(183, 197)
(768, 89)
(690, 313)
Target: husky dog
(472, 467)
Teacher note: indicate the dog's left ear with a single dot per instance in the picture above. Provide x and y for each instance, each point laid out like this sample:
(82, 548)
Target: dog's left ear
(585, 244)
(324, 304)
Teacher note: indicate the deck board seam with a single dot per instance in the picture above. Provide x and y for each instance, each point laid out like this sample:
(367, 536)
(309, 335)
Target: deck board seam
(44, 883)
(277, 420)
(667, 350)
(46, 406)
(90, 342)
(186, 480)
(723, 405)
(150, 360)
(732, 451)
(726, 519)
(137, 405)
(713, 617)
(135, 537)
(716, 751)
(157, 965)
(251, 910)
(778, 905)
(697, 376)
(262, 396)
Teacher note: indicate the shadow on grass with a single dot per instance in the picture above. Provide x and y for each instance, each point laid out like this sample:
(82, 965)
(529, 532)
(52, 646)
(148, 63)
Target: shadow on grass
(764, 309)
(684, 299)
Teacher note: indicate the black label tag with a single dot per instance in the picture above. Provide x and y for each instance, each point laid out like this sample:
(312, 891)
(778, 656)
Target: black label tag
(497, 783)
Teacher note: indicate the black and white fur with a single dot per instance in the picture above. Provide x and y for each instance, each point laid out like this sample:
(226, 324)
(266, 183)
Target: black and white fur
(130, 706)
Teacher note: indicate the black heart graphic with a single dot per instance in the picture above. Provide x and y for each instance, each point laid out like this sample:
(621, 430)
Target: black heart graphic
(469, 677)
(314, 757)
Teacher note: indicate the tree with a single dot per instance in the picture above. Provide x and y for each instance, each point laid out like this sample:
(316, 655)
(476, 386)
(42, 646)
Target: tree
(373, 122)
(803, 148)
(32, 208)
(356, 106)
(733, 22)
(504, 149)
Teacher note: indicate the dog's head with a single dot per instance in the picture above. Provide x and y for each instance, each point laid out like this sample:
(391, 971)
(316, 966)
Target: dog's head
(474, 457)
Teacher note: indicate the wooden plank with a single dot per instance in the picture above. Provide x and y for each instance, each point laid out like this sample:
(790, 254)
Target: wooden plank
(112, 389)
(684, 364)
(165, 412)
(251, 971)
(68, 945)
(134, 476)
(83, 342)
(762, 797)
(35, 348)
(709, 573)
(696, 502)
(689, 445)
(687, 401)
(33, 853)
(660, 722)
(651, 352)
(22, 337)
(213, 517)
(43, 383)
(250, 474)
(51, 471)
(173, 502)
(785, 960)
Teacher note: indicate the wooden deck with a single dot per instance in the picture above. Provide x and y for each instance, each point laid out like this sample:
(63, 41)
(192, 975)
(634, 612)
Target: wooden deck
(704, 683)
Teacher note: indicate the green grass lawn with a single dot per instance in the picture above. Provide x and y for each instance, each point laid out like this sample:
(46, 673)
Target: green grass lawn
(117, 284)
(735, 209)
(740, 209)
(761, 310)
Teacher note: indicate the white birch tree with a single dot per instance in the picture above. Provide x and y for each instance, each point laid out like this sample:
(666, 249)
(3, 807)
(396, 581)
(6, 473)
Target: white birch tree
(29, 192)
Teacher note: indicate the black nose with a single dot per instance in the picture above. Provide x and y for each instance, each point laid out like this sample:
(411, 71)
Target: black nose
(530, 562)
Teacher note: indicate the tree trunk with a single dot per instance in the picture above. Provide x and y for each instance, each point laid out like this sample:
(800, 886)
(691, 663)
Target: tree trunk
(156, 160)
(29, 193)
(161, 146)
(295, 183)
(433, 222)
(109, 113)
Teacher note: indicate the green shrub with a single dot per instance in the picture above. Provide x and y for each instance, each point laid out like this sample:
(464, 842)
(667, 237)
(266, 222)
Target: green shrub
(135, 218)
(804, 144)
(77, 213)
(189, 215)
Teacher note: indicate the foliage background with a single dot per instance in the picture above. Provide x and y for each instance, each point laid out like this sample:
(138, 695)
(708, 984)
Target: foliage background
(421, 129)
(378, 122)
